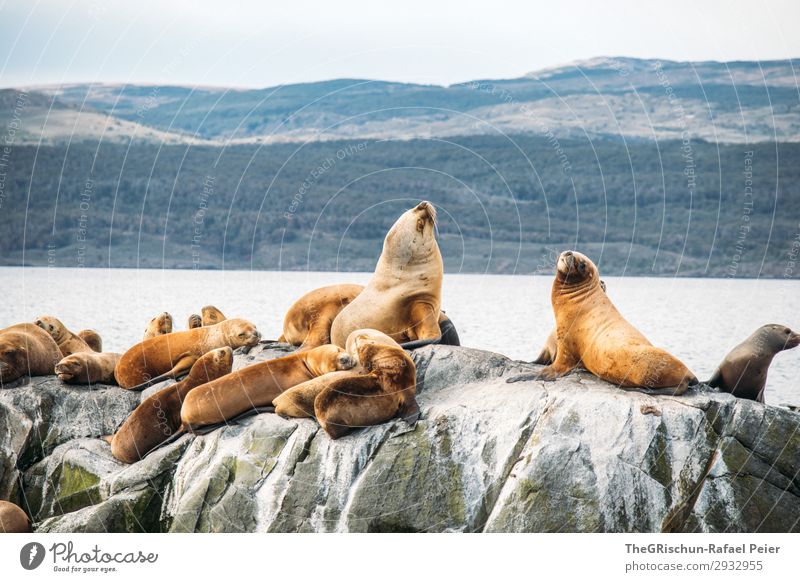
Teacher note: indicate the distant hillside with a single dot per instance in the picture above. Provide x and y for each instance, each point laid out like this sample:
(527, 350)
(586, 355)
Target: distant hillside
(613, 98)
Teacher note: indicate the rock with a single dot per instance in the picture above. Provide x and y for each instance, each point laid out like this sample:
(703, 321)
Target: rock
(572, 455)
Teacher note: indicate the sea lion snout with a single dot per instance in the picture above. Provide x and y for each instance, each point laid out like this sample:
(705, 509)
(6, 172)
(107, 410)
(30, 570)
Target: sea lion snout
(793, 341)
(427, 210)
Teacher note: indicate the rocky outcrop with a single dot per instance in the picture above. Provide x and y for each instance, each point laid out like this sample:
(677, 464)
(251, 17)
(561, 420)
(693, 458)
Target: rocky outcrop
(572, 455)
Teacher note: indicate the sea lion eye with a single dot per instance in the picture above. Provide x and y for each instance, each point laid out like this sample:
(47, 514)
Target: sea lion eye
(582, 266)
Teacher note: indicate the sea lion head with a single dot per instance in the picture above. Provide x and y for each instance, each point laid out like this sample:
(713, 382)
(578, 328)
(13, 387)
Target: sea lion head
(329, 358)
(412, 237)
(777, 338)
(195, 321)
(52, 326)
(13, 360)
(376, 352)
(161, 324)
(240, 333)
(212, 365)
(574, 268)
(69, 367)
(211, 315)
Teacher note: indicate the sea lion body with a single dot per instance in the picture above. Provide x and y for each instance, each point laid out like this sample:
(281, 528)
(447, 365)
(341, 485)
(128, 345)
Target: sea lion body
(161, 324)
(88, 368)
(743, 372)
(92, 339)
(403, 297)
(68, 342)
(309, 319)
(259, 384)
(210, 315)
(590, 331)
(158, 417)
(173, 354)
(13, 519)
(26, 350)
(382, 387)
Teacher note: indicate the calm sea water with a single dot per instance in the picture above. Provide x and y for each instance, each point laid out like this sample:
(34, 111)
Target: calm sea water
(698, 320)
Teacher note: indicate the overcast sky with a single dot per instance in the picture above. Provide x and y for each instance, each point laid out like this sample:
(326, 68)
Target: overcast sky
(258, 44)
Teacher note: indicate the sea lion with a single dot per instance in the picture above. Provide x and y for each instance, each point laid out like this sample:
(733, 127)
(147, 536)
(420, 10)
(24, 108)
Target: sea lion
(92, 339)
(161, 324)
(382, 387)
(403, 297)
(13, 519)
(593, 333)
(88, 368)
(548, 354)
(26, 350)
(258, 385)
(211, 315)
(195, 321)
(68, 342)
(743, 372)
(173, 354)
(158, 417)
(309, 319)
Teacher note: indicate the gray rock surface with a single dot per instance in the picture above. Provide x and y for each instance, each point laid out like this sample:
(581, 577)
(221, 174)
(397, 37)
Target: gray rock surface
(572, 455)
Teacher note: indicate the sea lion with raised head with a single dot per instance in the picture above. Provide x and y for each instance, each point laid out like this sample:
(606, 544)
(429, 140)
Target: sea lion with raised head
(548, 354)
(590, 331)
(161, 324)
(173, 354)
(88, 368)
(92, 339)
(210, 315)
(743, 372)
(158, 417)
(13, 519)
(68, 342)
(383, 386)
(194, 322)
(403, 297)
(26, 350)
(257, 385)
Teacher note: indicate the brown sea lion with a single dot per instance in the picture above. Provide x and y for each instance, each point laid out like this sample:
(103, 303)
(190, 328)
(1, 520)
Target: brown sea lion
(88, 368)
(743, 372)
(68, 342)
(194, 322)
(161, 324)
(309, 319)
(548, 354)
(593, 333)
(173, 354)
(382, 387)
(211, 315)
(92, 339)
(13, 519)
(403, 297)
(26, 350)
(257, 385)
(158, 417)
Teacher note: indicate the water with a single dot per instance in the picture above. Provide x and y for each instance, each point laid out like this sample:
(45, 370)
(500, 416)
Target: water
(698, 320)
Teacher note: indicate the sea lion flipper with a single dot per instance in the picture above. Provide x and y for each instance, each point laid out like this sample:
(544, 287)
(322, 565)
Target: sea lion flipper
(410, 411)
(716, 379)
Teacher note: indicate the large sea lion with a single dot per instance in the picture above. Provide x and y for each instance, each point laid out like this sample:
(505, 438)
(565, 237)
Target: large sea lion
(195, 321)
(92, 339)
(210, 315)
(88, 368)
(382, 387)
(26, 350)
(256, 386)
(593, 333)
(309, 319)
(403, 297)
(173, 354)
(161, 324)
(158, 417)
(13, 519)
(743, 372)
(548, 354)
(68, 342)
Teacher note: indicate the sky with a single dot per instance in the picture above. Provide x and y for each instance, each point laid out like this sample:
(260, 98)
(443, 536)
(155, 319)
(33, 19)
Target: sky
(234, 43)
